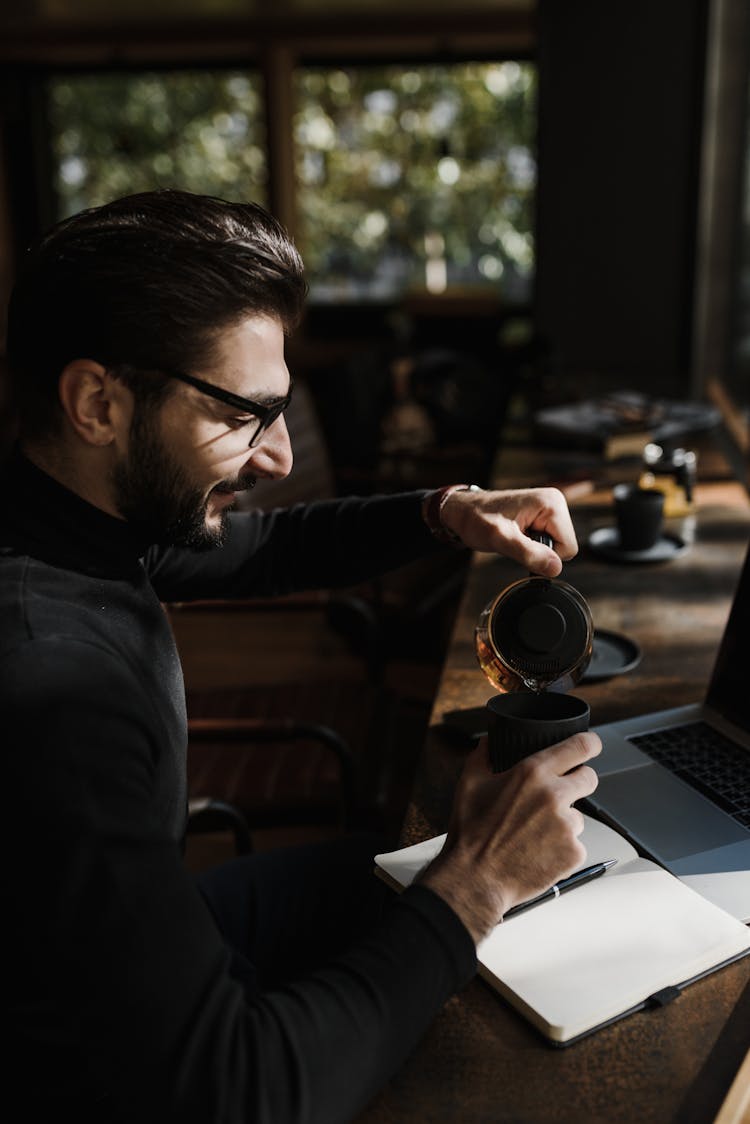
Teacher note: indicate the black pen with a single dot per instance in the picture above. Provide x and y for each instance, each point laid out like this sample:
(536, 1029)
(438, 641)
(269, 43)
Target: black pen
(577, 879)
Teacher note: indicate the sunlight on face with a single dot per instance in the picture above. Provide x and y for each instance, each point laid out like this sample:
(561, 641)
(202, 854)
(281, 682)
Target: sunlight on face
(189, 457)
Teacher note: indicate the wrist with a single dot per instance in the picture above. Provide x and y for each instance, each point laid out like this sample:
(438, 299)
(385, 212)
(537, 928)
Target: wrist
(432, 511)
(478, 906)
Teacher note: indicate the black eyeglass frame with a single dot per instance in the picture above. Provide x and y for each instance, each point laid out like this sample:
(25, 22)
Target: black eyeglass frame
(266, 414)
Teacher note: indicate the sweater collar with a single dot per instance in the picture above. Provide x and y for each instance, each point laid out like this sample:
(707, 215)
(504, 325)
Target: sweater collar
(42, 518)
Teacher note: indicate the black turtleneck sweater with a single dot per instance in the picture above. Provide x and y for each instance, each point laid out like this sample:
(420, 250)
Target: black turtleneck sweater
(121, 1004)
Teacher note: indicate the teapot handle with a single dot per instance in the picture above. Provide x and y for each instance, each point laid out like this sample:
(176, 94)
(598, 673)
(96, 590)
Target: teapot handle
(542, 537)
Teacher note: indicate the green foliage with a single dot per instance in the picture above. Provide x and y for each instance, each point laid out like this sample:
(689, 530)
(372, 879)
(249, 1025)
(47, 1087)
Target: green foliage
(113, 134)
(397, 164)
(404, 173)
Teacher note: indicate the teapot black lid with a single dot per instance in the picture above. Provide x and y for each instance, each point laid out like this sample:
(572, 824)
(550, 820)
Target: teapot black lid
(540, 628)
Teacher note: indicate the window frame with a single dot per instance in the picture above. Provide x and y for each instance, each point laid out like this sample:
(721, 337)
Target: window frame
(272, 46)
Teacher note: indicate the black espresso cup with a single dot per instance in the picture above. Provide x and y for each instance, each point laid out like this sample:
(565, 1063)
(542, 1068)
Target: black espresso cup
(639, 513)
(523, 722)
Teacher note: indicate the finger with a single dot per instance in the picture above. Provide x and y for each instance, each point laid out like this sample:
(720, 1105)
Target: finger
(556, 520)
(540, 559)
(577, 821)
(563, 537)
(579, 783)
(574, 751)
(511, 541)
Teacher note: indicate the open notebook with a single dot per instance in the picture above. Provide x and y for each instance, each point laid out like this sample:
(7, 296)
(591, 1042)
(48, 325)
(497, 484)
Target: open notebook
(627, 940)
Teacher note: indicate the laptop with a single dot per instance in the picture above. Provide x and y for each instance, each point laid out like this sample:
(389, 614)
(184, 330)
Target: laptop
(676, 782)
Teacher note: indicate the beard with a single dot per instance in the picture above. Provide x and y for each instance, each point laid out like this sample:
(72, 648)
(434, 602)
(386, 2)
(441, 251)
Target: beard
(153, 492)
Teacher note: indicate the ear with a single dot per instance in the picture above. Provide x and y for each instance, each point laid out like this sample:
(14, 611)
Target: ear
(90, 399)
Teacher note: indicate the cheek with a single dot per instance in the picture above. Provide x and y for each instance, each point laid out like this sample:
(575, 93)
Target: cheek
(208, 452)
(207, 457)
(227, 467)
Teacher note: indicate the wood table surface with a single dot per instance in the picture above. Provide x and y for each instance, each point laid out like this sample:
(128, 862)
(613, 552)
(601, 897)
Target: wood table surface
(480, 1061)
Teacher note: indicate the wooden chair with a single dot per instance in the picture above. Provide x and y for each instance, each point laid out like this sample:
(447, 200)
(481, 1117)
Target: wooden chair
(274, 777)
(288, 719)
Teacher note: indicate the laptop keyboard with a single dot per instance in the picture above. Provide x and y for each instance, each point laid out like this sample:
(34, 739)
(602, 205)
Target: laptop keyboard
(705, 759)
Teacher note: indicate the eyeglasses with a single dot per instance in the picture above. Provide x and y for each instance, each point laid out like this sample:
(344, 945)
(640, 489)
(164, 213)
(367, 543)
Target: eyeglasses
(264, 415)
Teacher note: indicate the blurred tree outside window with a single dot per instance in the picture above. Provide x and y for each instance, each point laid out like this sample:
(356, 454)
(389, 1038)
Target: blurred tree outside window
(417, 177)
(409, 177)
(116, 133)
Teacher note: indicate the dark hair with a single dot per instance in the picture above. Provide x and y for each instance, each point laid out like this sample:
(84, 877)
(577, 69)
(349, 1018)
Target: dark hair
(144, 281)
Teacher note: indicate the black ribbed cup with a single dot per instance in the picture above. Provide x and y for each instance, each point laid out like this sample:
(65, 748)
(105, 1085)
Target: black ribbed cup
(639, 513)
(523, 722)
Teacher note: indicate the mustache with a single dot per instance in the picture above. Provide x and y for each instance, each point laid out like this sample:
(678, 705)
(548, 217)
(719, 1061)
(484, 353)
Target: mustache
(239, 484)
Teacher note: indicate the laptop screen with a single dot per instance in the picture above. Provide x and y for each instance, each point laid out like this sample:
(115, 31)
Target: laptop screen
(729, 690)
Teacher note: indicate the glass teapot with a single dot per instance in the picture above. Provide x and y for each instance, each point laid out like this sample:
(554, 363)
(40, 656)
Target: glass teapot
(536, 635)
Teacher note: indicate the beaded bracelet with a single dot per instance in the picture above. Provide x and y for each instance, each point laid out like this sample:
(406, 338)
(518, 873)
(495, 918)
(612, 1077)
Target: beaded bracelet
(432, 507)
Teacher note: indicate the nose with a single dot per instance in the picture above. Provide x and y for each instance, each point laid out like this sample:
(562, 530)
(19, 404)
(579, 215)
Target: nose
(272, 457)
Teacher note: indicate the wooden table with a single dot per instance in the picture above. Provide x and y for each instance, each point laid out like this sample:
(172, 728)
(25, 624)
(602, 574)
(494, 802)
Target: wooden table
(480, 1062)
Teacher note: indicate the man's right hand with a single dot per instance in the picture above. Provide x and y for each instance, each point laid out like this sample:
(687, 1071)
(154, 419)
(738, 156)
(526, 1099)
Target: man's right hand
(512, 835)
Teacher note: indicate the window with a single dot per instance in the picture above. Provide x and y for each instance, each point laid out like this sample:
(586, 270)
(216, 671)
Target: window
(408, 177)
(416, 177)
(117, 133)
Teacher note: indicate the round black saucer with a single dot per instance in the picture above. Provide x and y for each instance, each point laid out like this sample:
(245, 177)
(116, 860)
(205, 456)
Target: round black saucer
(606, 542)
(613, 654)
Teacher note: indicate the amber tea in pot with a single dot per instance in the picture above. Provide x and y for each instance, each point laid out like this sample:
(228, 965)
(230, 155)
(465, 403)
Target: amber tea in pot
(535, 635)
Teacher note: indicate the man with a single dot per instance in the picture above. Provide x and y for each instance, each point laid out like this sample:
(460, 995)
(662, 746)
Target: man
(146, 345)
